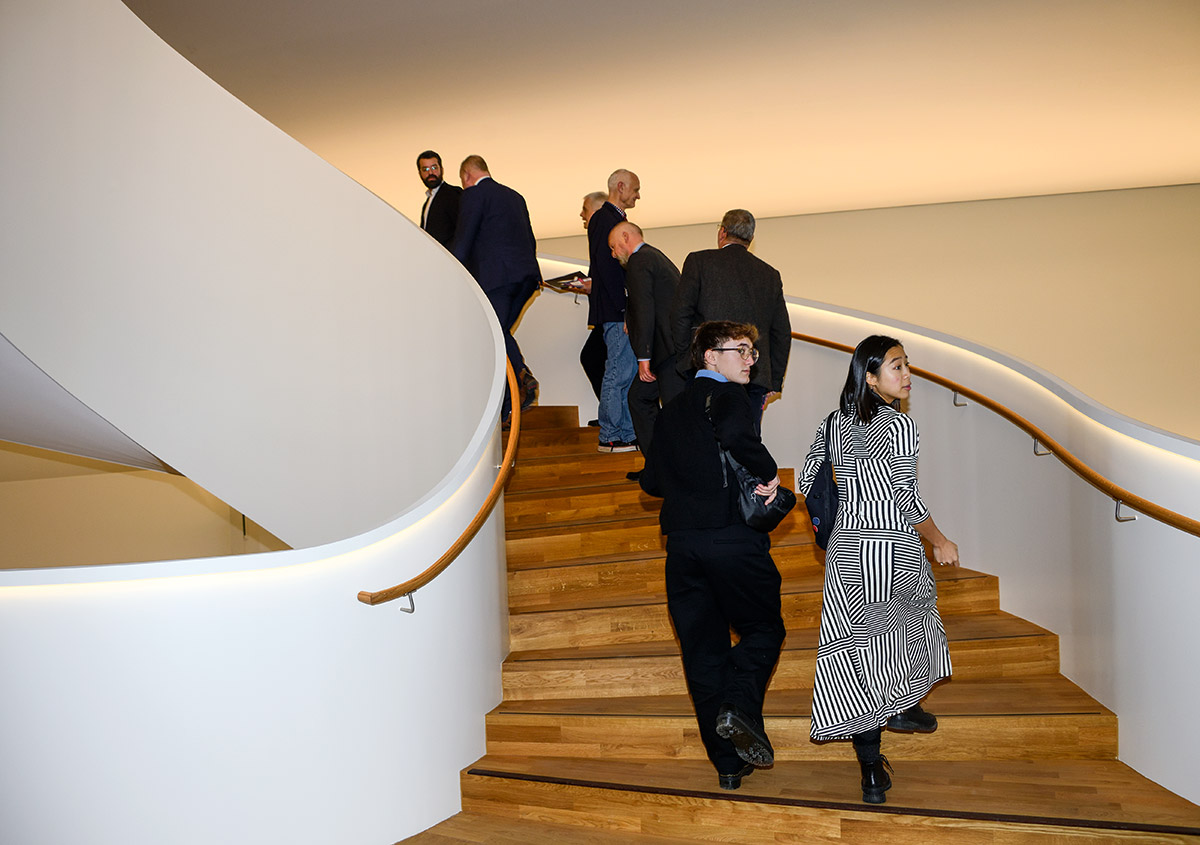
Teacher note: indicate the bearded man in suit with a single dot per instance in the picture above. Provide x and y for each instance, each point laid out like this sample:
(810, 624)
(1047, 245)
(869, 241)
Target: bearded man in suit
(494, 241)
(729, 283)
(439, 214)
(651, 280)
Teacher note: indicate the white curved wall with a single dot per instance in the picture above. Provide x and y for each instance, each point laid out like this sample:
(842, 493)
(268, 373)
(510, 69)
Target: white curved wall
(264, 325)
(266, 705)
(233, 304)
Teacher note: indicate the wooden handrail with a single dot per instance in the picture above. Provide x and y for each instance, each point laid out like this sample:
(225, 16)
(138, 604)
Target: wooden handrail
(1108, 488)
(485, 510)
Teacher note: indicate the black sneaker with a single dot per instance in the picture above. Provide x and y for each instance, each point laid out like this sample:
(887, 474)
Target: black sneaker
(617, 446)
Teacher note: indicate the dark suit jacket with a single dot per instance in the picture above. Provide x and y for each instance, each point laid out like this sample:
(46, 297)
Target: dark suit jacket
(684, 467)
(651, 281)
(733, 284)
(443, 214)
(494, 239)
(607, 301)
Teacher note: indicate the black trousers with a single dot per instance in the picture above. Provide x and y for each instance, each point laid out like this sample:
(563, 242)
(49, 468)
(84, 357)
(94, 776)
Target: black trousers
(644, 399)
(508, 301)
(592, 358)
(717, 579)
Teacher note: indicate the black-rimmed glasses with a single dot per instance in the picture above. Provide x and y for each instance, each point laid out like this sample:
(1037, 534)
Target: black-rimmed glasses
(748, 353)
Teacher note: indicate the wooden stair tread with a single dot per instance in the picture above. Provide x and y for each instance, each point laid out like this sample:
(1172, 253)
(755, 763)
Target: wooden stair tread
(471, 828)
(967, 626)
(549, 416)
(1096, 795)
(1036, 694)
(811, 582)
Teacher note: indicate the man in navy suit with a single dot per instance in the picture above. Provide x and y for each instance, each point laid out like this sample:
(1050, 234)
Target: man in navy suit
(494, 241)
(439, 214)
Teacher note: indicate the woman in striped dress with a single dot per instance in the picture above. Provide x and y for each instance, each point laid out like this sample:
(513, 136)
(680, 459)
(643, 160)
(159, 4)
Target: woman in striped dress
(882, 645)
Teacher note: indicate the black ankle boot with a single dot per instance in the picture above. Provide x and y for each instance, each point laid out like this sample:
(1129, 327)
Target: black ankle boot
(915, 719)
(875, 779)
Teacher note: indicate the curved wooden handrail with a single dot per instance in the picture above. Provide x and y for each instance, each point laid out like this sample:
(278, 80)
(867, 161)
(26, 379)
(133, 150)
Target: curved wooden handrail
(485, 510)
(1108, 488)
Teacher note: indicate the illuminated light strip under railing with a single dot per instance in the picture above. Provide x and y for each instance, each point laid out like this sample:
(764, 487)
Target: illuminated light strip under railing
(1119, 494)
(407, 588)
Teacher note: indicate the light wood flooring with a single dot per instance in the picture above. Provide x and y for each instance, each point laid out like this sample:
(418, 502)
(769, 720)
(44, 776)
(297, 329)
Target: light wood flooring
(595, 741)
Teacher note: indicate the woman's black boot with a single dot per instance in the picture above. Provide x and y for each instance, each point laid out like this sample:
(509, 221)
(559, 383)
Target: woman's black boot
(875, 767)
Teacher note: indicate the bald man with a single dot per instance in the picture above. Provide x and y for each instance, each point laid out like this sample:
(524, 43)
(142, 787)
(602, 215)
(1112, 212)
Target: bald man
(651, 280)
(606, 308)
(494, 241)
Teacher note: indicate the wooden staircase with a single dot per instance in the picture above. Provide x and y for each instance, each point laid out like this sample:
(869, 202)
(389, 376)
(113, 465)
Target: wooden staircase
(595, 741)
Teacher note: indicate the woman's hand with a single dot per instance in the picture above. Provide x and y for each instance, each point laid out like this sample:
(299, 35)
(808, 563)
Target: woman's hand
(946, 552)
(768, 489)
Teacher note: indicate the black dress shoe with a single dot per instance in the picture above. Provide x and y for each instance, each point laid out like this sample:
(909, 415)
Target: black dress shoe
(594, 423)
(635, 475)
(875, 780)
(913, 720)
(748, 738)
(734, 780)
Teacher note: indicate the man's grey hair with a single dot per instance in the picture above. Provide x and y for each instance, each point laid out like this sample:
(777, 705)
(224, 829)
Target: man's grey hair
(596, 197)
(738, 223)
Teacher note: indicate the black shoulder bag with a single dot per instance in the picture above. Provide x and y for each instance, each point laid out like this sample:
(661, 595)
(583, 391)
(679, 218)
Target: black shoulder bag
(754, 508)
(822, 498)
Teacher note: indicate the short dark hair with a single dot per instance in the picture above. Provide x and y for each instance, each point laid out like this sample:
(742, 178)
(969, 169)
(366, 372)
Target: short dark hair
(716, 333)
(430, 154)
(858, 399)
(738, 223)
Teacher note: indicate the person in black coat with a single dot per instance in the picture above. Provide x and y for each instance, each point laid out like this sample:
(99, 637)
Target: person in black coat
(439, 214)
(494, 241)
(731, 283)
(650, 281)
(719, 571)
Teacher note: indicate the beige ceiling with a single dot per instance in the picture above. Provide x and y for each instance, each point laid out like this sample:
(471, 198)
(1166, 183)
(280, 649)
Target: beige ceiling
(780, 106)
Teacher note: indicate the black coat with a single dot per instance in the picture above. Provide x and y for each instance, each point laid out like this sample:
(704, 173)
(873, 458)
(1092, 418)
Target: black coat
(684, 467)
(733, 284)
(442, 216)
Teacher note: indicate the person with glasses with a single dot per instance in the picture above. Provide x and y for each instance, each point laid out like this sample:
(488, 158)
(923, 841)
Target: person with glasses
(719, 571)
(730, 283)
(439, 214)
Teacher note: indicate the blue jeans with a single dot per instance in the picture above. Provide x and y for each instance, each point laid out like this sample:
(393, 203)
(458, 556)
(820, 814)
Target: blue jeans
(619, 369)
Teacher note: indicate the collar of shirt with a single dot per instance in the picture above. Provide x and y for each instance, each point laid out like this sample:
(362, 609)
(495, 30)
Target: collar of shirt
(429, 192)
(636, 248)
(712, 374)
(619, 211)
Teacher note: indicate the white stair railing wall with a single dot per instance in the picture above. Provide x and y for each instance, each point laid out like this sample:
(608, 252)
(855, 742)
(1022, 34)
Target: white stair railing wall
(262, 324)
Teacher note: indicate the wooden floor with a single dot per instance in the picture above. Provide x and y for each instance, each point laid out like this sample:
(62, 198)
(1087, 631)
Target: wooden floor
(596, 742)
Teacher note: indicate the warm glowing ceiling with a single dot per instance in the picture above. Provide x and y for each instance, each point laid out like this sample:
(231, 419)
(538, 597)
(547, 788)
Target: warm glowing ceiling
(779, 106)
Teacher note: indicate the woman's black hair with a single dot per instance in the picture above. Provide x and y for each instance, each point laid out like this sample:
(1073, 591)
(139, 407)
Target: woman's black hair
(858, 399)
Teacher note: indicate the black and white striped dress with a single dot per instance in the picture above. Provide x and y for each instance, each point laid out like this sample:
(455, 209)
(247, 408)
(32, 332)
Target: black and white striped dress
(882, 644)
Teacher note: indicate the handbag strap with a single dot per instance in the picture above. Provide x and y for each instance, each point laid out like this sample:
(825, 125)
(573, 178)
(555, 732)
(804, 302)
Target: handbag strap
(720, 449)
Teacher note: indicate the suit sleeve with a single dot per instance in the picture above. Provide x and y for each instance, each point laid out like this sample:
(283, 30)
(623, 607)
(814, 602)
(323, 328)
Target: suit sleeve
(732, 417)
(469, 217)
(683, 318)
(781, 338)
(639, 282)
